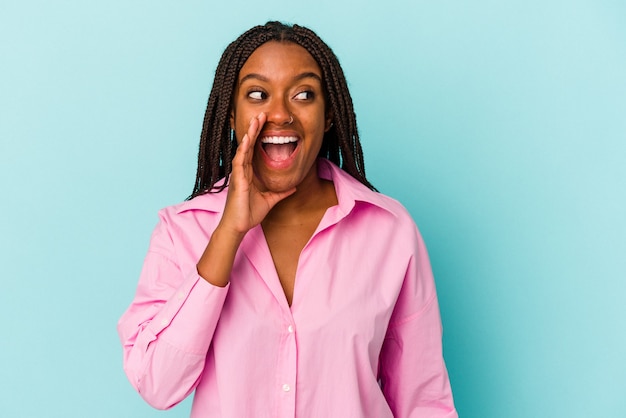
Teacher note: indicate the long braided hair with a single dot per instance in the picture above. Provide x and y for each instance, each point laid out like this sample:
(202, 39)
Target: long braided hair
(341, 143)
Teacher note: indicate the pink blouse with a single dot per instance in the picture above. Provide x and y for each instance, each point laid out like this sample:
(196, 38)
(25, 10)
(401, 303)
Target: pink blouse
(362, 337)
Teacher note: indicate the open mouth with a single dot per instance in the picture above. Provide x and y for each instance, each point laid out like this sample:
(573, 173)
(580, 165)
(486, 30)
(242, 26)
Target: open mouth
(279, 148)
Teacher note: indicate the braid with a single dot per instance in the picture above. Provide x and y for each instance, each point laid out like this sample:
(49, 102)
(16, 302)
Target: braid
(341, 143)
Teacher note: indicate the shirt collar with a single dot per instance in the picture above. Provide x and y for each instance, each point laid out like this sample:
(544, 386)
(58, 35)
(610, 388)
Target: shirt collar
(210, 202)
(349, 191)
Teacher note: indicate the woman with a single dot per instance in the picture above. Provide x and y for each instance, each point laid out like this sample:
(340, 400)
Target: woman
(285, 286)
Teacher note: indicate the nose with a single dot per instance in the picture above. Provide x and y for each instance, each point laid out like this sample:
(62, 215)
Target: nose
(278, 113)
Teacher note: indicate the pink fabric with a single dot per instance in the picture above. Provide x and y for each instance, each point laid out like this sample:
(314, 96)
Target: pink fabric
(361, 339)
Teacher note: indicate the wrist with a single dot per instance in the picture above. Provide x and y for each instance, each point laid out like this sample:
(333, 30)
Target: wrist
(228, 235)
(217, 260)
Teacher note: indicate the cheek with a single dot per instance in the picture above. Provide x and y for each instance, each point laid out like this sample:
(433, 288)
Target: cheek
(316, 121)
(238, 120)
(320, 126)
(240, 127)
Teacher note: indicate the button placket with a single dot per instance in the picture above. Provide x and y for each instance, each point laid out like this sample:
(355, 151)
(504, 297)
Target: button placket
(286, 370)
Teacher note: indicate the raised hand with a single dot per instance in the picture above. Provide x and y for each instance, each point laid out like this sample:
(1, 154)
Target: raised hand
(246, 205)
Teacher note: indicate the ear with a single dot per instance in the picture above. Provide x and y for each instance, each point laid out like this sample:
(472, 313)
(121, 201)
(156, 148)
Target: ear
(329, 122)
(232, 119)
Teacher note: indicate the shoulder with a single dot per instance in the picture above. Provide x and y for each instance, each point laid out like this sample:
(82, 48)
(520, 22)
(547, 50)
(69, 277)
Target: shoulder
(390, 205)
(352, 192)
(376, 213)
(208, 202)
(183, 229)
(388, 213)
(199, 215)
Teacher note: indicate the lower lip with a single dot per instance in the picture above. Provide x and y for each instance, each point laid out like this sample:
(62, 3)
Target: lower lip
(279, 165)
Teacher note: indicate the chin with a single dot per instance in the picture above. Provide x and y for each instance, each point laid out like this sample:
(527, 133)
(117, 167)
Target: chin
(275, 184)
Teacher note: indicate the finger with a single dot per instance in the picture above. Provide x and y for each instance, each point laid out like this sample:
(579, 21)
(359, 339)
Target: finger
(242, 149)
(247, 150)
(254, 128)
(256, 124)
(262, 118)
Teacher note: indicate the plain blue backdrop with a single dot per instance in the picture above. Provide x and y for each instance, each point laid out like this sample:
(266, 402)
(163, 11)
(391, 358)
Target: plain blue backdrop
(501, 125)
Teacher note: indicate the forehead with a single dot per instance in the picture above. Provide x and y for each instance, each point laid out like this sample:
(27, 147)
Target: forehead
(280, 59)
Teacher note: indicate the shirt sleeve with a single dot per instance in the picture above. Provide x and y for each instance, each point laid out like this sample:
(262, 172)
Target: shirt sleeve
(413, 374)
(167, 330)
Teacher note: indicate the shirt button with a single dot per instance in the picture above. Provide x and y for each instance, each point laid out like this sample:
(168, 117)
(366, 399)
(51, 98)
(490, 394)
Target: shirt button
(181, 295)
(163, 322)
(286, 387)
(290, 328)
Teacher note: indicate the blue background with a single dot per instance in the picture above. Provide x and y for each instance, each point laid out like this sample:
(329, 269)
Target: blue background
(501, 125)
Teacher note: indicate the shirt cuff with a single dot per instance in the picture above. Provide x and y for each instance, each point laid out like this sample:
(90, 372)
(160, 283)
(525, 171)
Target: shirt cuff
(188, 319)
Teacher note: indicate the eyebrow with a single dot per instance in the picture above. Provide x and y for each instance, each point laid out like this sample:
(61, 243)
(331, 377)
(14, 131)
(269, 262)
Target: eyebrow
(299, 77)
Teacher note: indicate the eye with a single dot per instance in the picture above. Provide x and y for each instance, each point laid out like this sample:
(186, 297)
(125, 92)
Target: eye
(256, 95)
(304, 95)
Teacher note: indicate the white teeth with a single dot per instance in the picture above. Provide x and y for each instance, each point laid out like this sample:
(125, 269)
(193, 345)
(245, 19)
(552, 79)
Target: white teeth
(278, 139)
